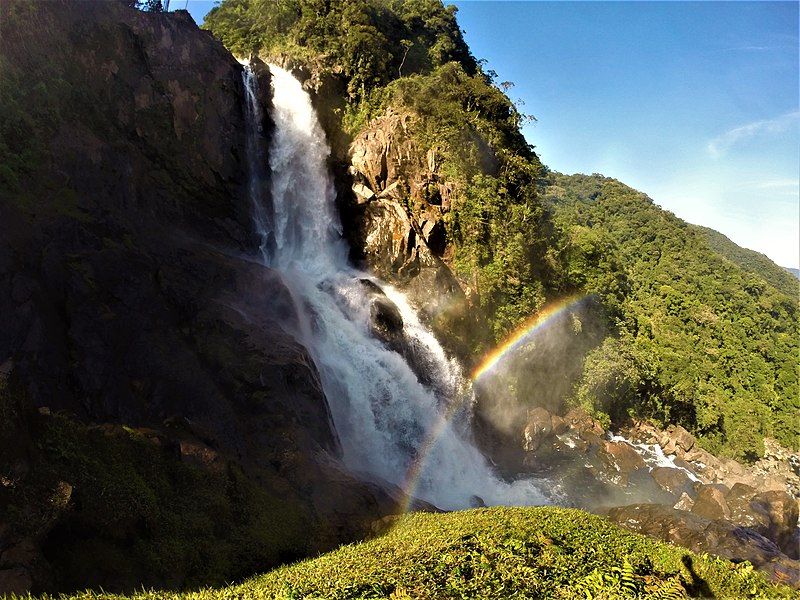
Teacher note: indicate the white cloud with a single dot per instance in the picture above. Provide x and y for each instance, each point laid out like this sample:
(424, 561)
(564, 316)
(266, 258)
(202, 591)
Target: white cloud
(748, 48)
(721, 144)
(776, 187)
(777, 183)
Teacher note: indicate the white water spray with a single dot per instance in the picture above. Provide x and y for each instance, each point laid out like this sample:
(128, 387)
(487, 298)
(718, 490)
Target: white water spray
(653, 456)
(385, 418)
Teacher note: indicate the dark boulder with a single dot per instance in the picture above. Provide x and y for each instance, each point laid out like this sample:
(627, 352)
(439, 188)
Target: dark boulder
(619, 461)
(710, 503)
(673, 481)
(700, 534)
(538, 428)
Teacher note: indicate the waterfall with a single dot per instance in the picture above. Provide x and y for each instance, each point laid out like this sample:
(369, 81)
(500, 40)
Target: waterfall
(255, 162)
(391, 426)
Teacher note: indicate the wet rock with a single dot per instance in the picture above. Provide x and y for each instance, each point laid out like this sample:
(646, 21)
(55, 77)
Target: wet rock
(387, 322)
(620, 461)
(477, 502)
(780, 510)
(538, 428)
(710, 503)
(674, 481)
(700, 534)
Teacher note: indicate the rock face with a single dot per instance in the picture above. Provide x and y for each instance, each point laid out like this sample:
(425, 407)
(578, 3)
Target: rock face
(716, 536)
(128, 293)
(398, 203)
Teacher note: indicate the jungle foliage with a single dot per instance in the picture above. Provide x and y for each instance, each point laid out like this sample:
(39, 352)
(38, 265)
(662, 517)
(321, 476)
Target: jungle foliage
(700, 341)
(369, 42)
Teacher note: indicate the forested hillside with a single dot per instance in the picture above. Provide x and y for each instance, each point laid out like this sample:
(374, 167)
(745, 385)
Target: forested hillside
(700, 341)
(751, 261)
(700, 331)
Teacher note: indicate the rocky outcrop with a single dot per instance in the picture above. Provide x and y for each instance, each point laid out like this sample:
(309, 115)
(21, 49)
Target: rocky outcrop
(399, 200)
(716, 536)
(665, 496)
(128, 290)
(773, 472)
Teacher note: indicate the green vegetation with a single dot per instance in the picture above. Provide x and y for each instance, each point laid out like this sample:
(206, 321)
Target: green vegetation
(500, 553)
(496, 221)
(411, 57)
(752, 262)
(369, 42)
(699, 341)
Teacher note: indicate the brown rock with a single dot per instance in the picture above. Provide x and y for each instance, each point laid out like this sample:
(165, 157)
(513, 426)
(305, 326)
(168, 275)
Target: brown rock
(685, 502)
(781, 510)
(704, 535)
(710, 503)
(539, 427)
(740, 490)
(674, 481)
(676, 440)
(581, 421)
(620, 457)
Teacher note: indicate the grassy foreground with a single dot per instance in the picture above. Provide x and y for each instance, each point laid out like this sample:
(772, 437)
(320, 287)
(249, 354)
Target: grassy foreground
(541, 552)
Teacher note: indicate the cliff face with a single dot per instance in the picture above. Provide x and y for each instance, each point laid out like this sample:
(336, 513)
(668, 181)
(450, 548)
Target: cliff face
(398, 204)
(128, 291)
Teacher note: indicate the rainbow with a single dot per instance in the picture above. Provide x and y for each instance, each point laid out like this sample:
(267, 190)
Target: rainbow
(528, 329)
(524, 332)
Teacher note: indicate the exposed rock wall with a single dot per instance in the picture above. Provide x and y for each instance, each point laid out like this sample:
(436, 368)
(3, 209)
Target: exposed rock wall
(399, 200)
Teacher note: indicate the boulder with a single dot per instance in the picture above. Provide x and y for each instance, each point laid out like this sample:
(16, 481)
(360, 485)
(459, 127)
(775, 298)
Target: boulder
(620, 460)
(710, 503)
(386, 320)
(781, 512)
(685, 502)
(539, 427)
(673, 481)
(676, 440)
(579, 420)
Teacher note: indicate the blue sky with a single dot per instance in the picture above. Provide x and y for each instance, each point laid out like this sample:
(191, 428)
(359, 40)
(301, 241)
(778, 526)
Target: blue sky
(694, 103)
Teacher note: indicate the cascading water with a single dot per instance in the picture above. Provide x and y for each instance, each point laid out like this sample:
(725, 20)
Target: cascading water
(390, 425)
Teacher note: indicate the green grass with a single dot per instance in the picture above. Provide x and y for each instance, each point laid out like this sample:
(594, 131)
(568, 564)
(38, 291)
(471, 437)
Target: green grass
(541, 552)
